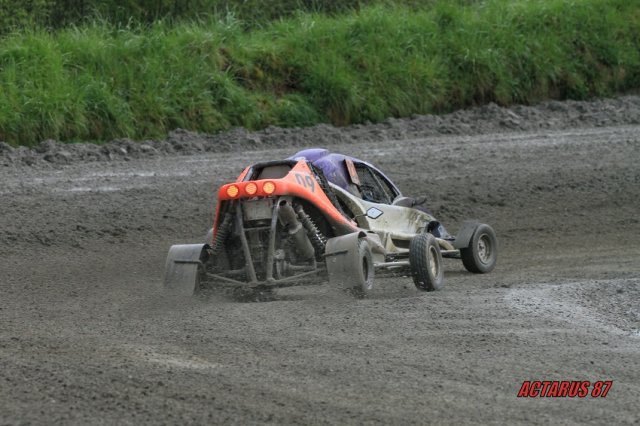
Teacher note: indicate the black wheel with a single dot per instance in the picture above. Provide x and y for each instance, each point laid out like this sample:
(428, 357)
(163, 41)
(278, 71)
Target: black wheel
(425, 260)
(350, 263)
(183, 268)
(481, 254)
(362, 272)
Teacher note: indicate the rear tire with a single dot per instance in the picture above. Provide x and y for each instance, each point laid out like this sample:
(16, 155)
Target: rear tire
(363, 271)
(208, 239)
(183, 268)
(350, 263)
(481, 254)
(426, 264)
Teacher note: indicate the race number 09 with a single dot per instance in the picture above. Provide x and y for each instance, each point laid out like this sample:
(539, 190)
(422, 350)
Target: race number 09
(306, 181)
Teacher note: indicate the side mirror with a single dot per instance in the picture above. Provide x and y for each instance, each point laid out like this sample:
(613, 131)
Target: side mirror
(374, 213)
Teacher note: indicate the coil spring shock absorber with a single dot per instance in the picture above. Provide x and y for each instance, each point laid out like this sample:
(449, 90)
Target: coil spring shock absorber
(223, 232)
(318, 240)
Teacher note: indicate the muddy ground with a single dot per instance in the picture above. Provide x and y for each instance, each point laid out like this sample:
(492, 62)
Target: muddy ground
(88, 336)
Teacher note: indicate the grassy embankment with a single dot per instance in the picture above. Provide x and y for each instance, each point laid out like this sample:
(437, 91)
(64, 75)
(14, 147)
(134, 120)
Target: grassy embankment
(98, 82)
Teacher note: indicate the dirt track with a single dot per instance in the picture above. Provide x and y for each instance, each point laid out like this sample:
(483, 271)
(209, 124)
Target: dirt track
(88, 337)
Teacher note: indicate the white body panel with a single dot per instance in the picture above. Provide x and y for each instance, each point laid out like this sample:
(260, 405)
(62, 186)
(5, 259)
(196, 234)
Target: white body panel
(396, 226)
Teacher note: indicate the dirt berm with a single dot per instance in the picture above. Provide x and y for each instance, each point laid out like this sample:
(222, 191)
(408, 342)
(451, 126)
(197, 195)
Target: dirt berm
(88, 337)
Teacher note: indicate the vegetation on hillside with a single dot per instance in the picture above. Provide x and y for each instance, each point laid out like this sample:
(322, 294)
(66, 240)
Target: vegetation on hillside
(57, 14)
(101, 80)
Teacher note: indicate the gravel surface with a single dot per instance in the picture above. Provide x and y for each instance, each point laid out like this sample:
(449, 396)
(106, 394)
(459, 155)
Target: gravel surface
(88, 336)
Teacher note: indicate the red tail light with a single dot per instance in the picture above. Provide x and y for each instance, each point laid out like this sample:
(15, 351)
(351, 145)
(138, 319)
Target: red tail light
(269, 188)
(251, 188)
(232, 191)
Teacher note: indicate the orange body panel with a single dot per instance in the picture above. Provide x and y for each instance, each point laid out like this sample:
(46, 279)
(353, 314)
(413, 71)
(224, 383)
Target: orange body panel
(243, 174)
(299, 182)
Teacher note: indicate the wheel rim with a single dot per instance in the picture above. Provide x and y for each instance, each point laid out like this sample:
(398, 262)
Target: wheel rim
(484, 248)
(433, 261)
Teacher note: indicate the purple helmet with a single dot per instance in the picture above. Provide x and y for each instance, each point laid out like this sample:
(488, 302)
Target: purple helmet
(333, 165)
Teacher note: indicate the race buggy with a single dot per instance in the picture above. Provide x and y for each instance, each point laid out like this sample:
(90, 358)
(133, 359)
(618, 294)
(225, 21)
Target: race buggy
(316, 216)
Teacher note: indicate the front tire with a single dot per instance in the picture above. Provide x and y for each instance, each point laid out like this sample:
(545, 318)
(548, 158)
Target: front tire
(426, 264)
(481, 254)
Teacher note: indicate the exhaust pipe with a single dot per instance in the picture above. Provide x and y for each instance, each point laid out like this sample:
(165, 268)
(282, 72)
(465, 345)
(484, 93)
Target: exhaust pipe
(288, 218)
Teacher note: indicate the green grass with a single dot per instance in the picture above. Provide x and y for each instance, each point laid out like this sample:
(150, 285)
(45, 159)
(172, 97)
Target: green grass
(99, 82)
